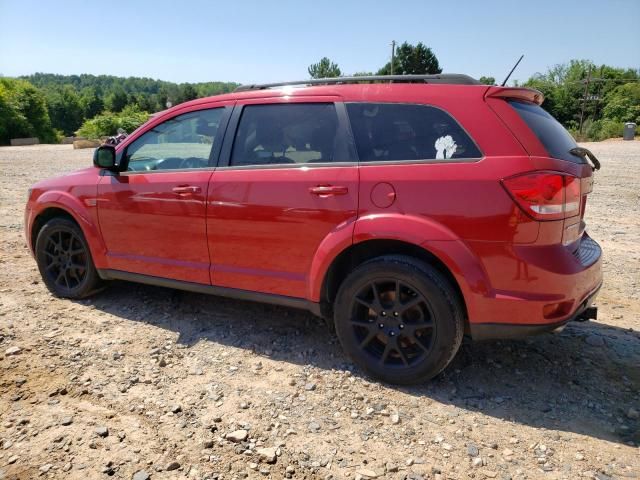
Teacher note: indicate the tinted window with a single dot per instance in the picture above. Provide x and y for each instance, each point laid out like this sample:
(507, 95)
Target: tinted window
(181, 142)
(286, 134)
(395, 131)
(549, 131)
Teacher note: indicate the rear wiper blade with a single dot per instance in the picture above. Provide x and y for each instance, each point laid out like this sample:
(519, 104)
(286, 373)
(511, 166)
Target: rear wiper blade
(587, 155)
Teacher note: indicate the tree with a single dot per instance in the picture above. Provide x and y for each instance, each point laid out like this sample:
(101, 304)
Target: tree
(187, 92)
(23, 112)
(488, 80)
(116, 99)
(65, 108)
(412, 60)
(325, 68)
(92, 103)
(623, 103)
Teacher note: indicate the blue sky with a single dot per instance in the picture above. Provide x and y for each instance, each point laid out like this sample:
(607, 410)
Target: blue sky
(262, 41)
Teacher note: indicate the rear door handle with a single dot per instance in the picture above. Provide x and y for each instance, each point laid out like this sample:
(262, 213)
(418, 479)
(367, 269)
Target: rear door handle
(182, 189)
(326, 190)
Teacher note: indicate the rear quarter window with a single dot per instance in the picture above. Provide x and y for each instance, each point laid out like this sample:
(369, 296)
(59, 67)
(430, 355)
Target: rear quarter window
(556, 140)
(405, 132)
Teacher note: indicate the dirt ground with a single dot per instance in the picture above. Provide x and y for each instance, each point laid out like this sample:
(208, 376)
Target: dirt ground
(144, 382)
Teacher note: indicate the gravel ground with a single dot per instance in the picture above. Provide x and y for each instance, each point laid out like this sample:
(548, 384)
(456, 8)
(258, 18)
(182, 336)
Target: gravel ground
(144, 382)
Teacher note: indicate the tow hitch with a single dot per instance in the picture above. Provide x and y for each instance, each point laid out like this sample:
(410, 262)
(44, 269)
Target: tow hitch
(589, 313)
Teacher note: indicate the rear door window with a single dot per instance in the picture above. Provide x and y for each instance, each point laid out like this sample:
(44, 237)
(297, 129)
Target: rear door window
(556, 140)
(281, 134)
(405, 132)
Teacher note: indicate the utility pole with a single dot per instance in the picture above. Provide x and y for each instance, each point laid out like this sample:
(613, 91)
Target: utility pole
(393, 54)
(584, 98)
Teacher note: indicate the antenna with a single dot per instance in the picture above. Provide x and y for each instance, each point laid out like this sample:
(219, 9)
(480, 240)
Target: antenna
(514, 67)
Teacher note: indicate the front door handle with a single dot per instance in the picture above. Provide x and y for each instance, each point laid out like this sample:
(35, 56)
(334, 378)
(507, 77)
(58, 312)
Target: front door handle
(184, 189)
(327, 190)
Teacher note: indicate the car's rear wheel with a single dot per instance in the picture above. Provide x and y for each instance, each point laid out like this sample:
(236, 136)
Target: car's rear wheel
(399, 319)
(64, 260)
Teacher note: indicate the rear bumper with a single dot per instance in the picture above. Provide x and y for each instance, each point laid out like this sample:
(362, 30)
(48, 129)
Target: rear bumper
(503, 331)
(528, 282)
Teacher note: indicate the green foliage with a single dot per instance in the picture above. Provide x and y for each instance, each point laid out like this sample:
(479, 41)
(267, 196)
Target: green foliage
(23, 112)
(488, 80)
(412, 60)
(108, 123)
(612, 97)
(65, 108)
(325, 68)
(623, 103)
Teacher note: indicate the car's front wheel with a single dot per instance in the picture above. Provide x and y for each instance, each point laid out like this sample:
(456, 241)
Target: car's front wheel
(64, 259)
(399, 319)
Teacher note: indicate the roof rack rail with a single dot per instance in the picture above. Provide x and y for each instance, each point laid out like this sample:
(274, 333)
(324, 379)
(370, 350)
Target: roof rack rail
(444, 78)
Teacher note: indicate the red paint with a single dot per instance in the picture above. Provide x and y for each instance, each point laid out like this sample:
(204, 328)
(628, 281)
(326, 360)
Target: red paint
(278, 230)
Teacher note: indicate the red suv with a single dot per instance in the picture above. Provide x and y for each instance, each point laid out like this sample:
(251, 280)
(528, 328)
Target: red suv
(411, 211)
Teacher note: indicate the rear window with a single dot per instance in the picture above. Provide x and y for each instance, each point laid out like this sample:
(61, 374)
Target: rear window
(398, 131)
(549, 131)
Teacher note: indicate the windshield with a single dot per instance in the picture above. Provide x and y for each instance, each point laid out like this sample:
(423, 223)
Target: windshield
(549, 131)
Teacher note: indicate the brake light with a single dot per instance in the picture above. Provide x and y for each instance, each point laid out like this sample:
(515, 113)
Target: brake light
(545, 195)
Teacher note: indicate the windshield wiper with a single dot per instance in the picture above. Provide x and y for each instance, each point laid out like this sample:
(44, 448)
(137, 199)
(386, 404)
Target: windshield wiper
(587, 155)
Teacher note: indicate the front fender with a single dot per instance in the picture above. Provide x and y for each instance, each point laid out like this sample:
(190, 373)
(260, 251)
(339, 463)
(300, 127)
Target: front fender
(422, 232)
(83, 210)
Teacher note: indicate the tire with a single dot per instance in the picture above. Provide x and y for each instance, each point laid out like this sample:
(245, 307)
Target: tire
(399, 342)
(64, 260)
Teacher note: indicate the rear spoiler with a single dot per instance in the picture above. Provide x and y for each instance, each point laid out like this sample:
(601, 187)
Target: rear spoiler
(516, 93)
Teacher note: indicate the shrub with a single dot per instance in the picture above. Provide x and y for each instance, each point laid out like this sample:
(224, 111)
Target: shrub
(108, 123)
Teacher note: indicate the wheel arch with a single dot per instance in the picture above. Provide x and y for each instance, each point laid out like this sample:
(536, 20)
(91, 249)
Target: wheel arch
(58, 204)
(358, 253)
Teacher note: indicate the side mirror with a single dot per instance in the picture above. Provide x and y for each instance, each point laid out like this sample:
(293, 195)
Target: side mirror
(105, 157)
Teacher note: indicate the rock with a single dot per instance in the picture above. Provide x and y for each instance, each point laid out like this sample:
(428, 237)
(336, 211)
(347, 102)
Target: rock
(141, 475)
(12, 351)
(45, 468)
(507, 452)
(579, 456)
(268, 455)
(633, 414)
(310, 387)
(176, 409)
(447, 447)
(595, 341)
(391, 468)
(66, 421)
(366, 473)
(472, 450)
(314, 426)
(237, 436)
(395, 418)
(172, 466)
(102, 431)
(477, 462)
(162, 362)
(12, 459)
(207, 444)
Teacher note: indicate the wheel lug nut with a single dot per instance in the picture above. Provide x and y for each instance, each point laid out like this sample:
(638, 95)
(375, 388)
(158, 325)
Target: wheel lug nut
(401, 325)
(384, 314)
(395, 314)
(381, 325)
(392, 333)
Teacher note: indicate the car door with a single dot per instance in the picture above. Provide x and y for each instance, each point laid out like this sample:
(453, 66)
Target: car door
(286, 180)
(152, 215)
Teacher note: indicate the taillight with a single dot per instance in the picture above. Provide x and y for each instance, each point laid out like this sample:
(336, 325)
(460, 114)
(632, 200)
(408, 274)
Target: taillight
(545, 195)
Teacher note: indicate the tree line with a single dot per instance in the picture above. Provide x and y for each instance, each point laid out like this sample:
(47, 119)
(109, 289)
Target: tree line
(50, 106)
(592, 101)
